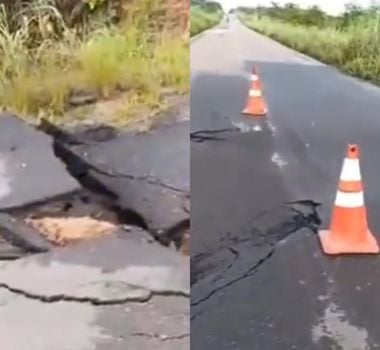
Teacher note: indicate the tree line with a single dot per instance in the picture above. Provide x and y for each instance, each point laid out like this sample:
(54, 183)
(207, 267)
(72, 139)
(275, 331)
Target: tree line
(314, 15)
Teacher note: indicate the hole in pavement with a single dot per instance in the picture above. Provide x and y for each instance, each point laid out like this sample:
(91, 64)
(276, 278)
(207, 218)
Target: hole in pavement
(93, 202)
(79, 216)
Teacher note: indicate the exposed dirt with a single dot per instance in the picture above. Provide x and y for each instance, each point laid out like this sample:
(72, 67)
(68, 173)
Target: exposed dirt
(80, 216)
(62, 231)
(86, 215)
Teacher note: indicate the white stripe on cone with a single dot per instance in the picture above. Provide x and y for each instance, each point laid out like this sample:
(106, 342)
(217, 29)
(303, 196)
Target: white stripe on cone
(254, 77)
(254, 93)
(350, 170)
(349, 199)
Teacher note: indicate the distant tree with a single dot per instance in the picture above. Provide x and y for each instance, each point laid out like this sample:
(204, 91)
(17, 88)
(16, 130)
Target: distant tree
(351, 13)
(291, 6)
(314, 16)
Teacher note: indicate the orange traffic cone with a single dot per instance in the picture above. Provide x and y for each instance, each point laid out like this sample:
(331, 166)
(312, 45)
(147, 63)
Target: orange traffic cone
(349, 233)
(256, 105)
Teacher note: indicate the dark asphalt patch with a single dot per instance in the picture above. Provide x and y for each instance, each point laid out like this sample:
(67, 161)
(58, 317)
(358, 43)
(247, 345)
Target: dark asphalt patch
(233, 180)
(275, 224)
(314, 121)
(240, 258)
(241, 210)
(216, 101)
(267, 229)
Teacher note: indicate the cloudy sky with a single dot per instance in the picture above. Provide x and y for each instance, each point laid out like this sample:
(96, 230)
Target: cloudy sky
(330, 6)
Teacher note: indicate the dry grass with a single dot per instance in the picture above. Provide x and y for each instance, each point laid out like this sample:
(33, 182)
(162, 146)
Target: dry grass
(354, 49)
(202, 19)
(39, 73)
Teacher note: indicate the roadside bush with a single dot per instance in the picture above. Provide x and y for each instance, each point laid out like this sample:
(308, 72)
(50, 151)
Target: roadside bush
(354, 48)
(204, 16)
(46, 56)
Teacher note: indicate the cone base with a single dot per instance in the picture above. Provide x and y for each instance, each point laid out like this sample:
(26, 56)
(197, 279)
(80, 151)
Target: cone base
(336, 247)
(261, 113)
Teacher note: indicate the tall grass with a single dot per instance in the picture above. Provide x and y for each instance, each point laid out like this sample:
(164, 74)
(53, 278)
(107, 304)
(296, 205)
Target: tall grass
(355, 48)
(39, 73)
(203, 18)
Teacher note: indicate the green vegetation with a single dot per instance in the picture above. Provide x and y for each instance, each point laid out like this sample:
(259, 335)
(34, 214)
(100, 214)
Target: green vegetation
(204, 15)
(50, 52)
(350, 41)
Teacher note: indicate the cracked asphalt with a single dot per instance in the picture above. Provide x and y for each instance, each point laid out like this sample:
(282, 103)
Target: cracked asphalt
(261, 188)
(116, 292)
(122, 291)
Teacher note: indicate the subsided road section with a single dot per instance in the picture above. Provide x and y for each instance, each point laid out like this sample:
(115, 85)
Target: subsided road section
(256, 182)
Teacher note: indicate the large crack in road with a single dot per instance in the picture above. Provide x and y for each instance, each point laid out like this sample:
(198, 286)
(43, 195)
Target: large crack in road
(209, 134)
(162, 337)
(298, 215)
(63, 139)
(87, 174)
(49, 299)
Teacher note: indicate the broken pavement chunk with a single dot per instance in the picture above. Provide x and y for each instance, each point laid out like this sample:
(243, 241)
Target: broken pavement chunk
(110, 270)
(149, 172)
(21, 235)
(29, 170)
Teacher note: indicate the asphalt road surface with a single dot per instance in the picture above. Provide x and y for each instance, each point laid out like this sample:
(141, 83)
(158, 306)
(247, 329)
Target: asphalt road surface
(261, 188)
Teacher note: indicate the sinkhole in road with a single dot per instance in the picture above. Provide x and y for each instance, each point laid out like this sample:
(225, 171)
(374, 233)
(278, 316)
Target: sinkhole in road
(79, 216)
(94, 210)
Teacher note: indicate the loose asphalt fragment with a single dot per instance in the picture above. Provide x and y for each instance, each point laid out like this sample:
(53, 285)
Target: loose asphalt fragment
(22, 236)
(10, 252)
(24, 153)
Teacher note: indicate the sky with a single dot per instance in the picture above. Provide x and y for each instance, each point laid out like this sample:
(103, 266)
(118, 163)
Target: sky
(332, 7)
